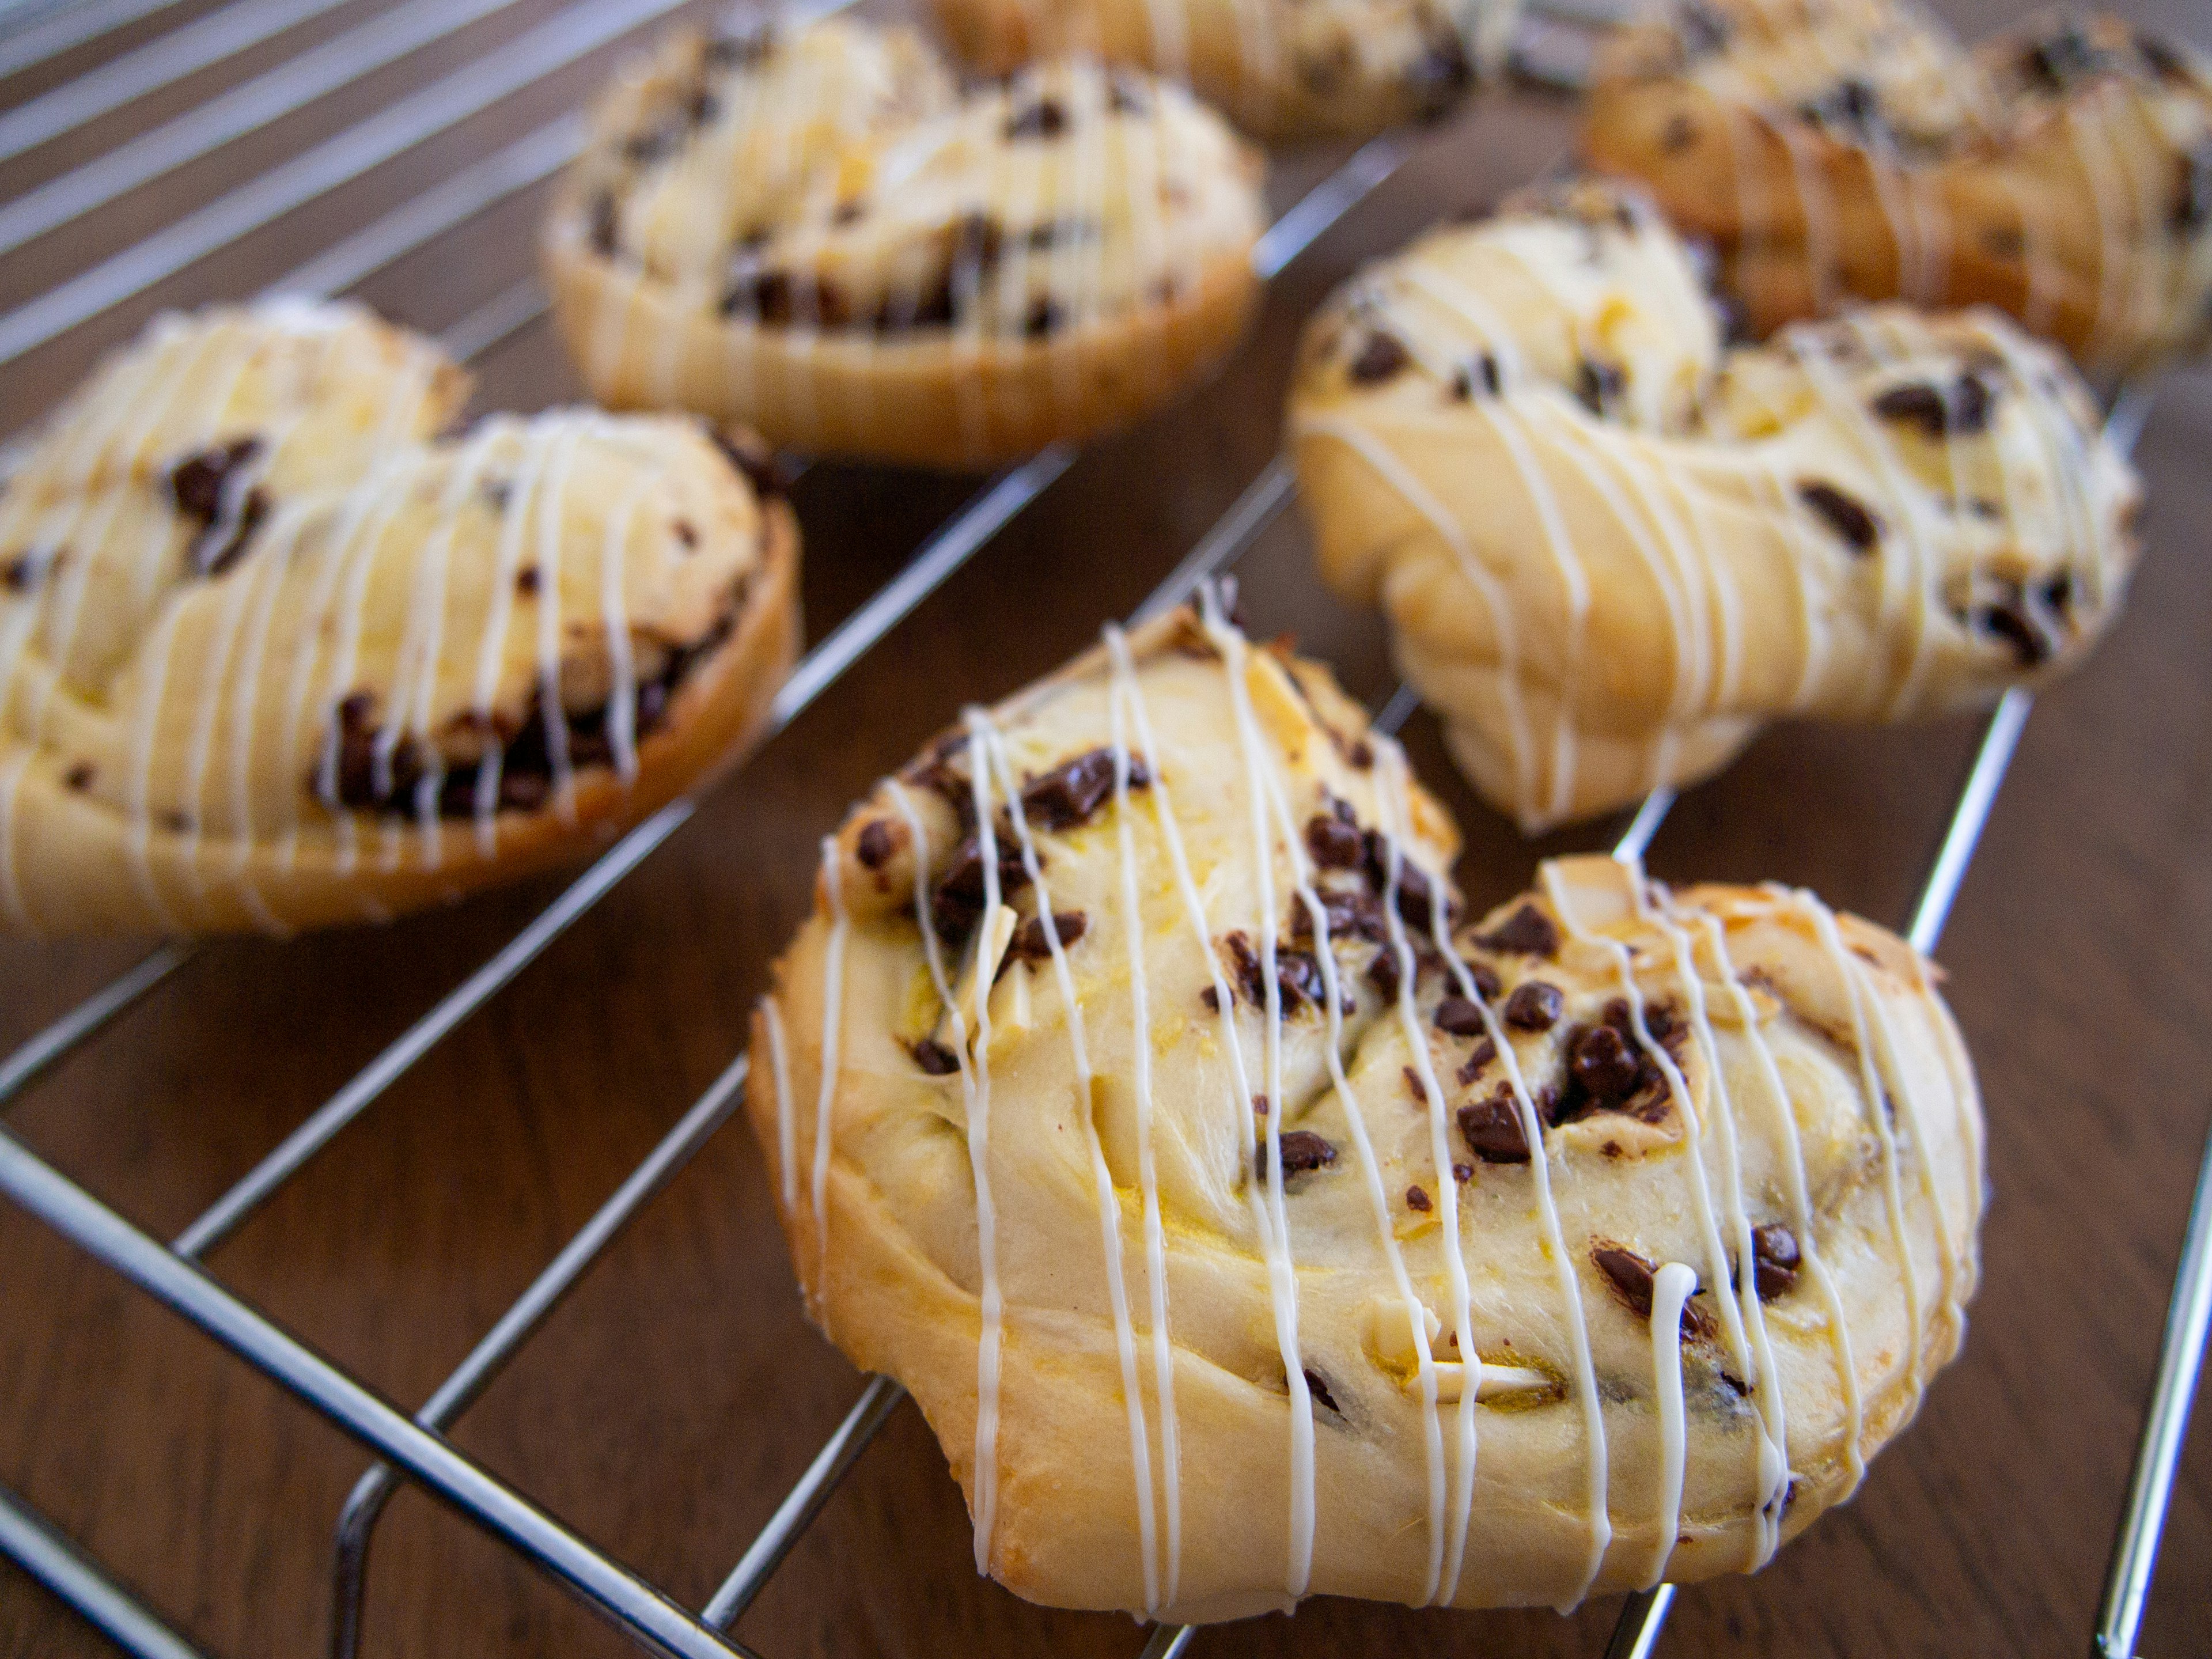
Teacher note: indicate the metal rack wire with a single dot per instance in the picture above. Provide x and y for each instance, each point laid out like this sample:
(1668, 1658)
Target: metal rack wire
(415, 1447)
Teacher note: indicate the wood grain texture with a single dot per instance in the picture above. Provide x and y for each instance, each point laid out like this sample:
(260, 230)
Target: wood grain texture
(666, 1406)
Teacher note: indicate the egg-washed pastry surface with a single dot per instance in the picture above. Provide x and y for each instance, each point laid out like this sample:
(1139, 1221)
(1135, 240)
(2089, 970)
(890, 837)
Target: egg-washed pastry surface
(1610, 550)
(1840, 148)
(1250, 1225)
(1283, 70)
(811, 231)
(275, 654)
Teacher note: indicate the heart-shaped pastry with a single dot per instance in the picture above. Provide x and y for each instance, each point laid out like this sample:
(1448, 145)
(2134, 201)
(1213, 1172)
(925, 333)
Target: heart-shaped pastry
(812, 233)
(1250, 1227)
(1610, 550)
(1833, 149)
(275, 654)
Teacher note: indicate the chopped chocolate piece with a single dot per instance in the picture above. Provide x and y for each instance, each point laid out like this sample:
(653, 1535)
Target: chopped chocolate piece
(1360, 755)
(23, 572)
(1335, 844)
(2062, 58)
(1045, 119)
(1483, 1053)
(934, 1058)
(1382, 357)
(2007, 620)
(1534, 1006)
(1416, 1199)
(702, 107)
(1492, 1128)
(1068, 795)
(1416, 894)
(2160, 58)
(1260, 1105)
(957, 903)
(1032, 944)
(1635, 1279)
(1848, 517)
(197, 484)
(879, 838)
(1964, 411)
(527, 580)
(1460, 1016)
(78, 777)
(1044, 316)
(1603, 1068)
(1463, 1173)
(1348, 915)
(1383, 974)
(1414, 1087)
(1211, 996)
(1297, 975)
(1302, 1150)
(1599, 385)
(1527, 932)
(761, 467)
(1244, 964)
(1774, 1260)
(1482, 371)
(1318, 1387)
(1487, 985)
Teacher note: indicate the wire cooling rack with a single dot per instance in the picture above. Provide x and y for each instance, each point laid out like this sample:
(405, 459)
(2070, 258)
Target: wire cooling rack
(1552, 47)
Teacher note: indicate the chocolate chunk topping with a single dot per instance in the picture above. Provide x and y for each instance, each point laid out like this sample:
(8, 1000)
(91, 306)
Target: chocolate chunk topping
(879, 838)
(1068, 795)
(1482, 371)
(1414, 1087)
(1602, 1067)
(1848, 517)
(1335, 844)
(1459, 1016)
(1527, 932)
(1244, 966)
(1416, 895)
(1297, 975)
(2161, 58)
(1964, 411)
(934, 1058)
(1534, 1006)
(199, 485)
(1487, 985)
(2062, 58)
(1030, 943)
(1635, 1279)
(1382, 357)
(1318, 1386)
(761, 467)
(527, 580)
(1484, 1052)
(1045, 119)
(1417, 1199)
(1383, 975)
(1493, 1129)
(1599, 385)
(957, 903)
(78, 777)
(2008, 620)
(1210, 997)
(1774, 1260)
(1463, 1173)
(1349, 915)
(23, 572)
(1303, 1150)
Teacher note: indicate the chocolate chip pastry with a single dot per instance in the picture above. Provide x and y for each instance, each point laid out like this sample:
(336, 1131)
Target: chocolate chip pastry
(1611, 551)
(275, 654)
(1250, 1225)
(812, 233)
(1282, 69)
(1840, 148)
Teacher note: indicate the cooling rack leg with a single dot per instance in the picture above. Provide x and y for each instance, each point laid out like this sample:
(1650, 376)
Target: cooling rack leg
(70, 1574)
(1635, 1633)
(1169, 1641)
(797, 1511)
(2166, 1430)
(87, 1016)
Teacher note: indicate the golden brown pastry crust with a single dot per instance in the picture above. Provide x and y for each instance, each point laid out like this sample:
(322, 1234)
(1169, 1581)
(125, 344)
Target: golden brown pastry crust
(273, 656)
(1802, 1062)
(1610, 551)
(1283, 70)
(813, 235)
(1833, 149)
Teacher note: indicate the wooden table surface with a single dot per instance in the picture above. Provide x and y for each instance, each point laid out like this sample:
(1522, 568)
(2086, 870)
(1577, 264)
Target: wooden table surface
(666, 1406)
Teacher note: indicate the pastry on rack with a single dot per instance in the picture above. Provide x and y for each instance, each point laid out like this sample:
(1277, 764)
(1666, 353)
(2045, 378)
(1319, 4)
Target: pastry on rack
(1282, 69)
(1249, 1226)
(812, 233)
(1610, 550)
(275, 654)
(1840, 149)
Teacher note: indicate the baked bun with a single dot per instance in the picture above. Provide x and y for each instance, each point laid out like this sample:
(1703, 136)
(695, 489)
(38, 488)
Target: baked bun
(274, 655)
(810, 232)
(1208, 1234)
(1610, 550)
(1282, 69)
(1840, 148)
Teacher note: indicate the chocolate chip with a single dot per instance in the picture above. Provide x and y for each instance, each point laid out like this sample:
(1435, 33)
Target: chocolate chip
(686, 534)
(1045, 119)
(1383, 974)
(1493, 1130)
(1414, 1087)
(957, 903)
(847, 213)
(1211, 996)
(1030, 943)
(2008, 620)
(1527, 932)
(23, 572)
(527, 580)
(1302, 1150)
(78, 777)
(760, 465)
(1416, 893)
(702, 107)
(1319, 1389)
(1382, 357)
(1487, 985)
(1482, 371)
(1602, 1065)
(1630, 1274)
(2160, 58)
(1534, 1006)
(1045, 317)
(1599, 385)
(1964, 411)
(196, 483)
(1349, 915)
(1361, 755)
(1244, 965)
(879, 838)
(1416, 1199)
(1335, 844)
(2062, 58)
(934, 1058)
(1297, 975)
(1483, 1053)
(1848, 517)
(1068, 795)
(1460, 1016)
(1774, 1260)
